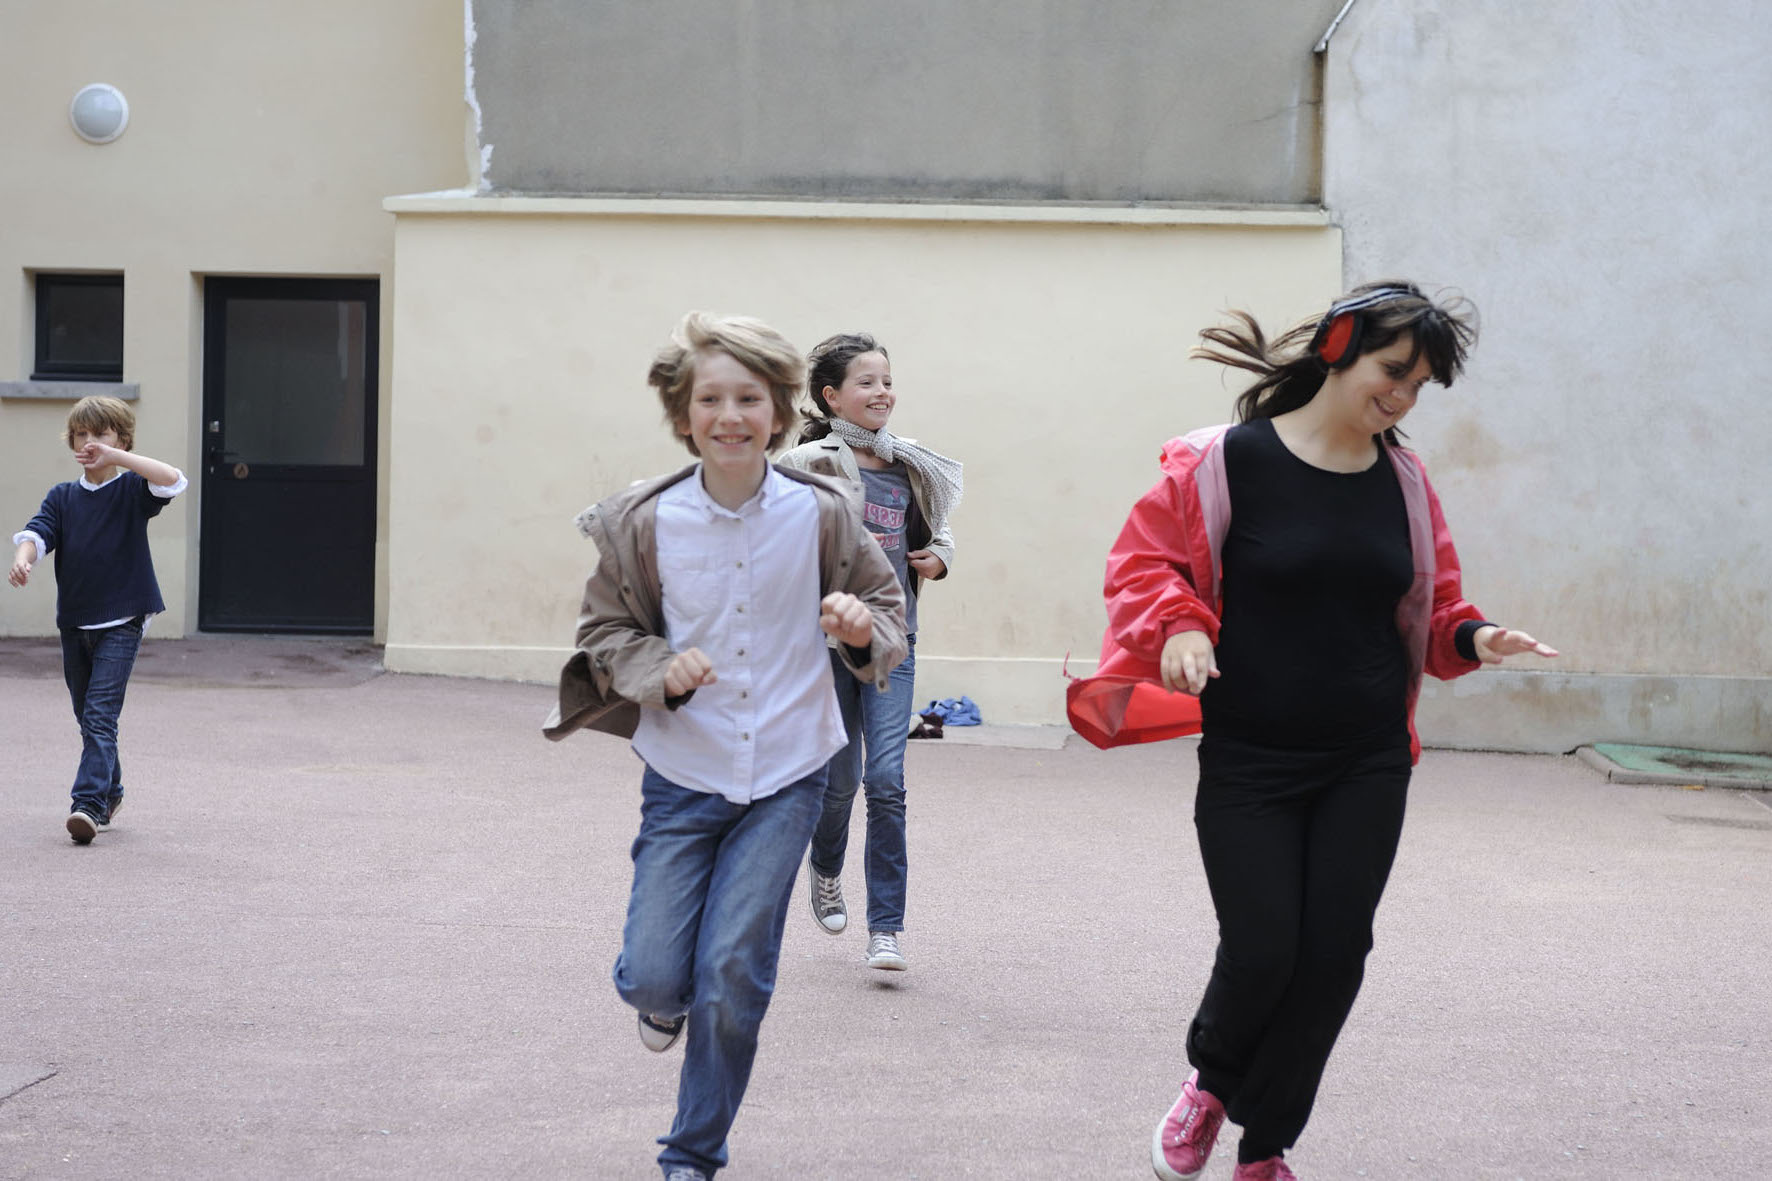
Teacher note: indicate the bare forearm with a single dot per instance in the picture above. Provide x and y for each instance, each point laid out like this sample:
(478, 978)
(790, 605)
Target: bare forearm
(162, 475)
(22, 560)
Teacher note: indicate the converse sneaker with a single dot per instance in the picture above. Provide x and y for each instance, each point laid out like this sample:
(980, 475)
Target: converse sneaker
(883, 951)
(83, 826)
(1271, 1169)
(1183, 1140)
(659, 1034)
(827, 902)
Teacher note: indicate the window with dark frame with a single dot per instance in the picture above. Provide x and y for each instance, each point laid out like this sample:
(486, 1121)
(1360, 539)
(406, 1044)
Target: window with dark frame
(79, 328)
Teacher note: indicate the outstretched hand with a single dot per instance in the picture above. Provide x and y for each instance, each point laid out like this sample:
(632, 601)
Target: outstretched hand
(1494, 643)
(688, 671)
(1188, 662)
(20, 572)
(847, 619)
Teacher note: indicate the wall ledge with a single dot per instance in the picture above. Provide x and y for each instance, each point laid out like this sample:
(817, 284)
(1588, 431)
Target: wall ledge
(72, 391)
(461, 204)
(1494, 709)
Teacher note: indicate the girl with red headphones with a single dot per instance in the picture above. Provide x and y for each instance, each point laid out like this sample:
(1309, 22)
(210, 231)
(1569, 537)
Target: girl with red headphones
(1288, 581)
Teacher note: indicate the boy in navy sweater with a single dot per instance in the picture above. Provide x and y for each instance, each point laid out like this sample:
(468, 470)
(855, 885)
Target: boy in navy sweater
(97, 527)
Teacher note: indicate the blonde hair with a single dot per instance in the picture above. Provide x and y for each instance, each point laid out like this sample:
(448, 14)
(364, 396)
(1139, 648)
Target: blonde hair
(99, 414)
(750, 342)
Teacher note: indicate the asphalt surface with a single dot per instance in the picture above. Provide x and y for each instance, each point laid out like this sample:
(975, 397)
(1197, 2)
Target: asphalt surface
(360, 925)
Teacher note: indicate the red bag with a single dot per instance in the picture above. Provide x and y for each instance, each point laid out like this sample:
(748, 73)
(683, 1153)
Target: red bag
(1114, 711)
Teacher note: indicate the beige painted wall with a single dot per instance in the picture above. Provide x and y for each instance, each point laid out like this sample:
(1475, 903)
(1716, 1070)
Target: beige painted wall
(1045, 347)
(262, 140)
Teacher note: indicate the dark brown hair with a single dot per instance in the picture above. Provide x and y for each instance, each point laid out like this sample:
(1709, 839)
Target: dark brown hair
(1290, 374)
(828, 365)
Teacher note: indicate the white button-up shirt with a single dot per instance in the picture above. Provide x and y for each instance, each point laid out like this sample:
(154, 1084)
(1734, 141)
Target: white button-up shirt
(744, 588)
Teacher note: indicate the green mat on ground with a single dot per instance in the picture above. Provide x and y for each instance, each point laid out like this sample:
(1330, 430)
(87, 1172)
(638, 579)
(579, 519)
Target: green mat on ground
(1674, 760)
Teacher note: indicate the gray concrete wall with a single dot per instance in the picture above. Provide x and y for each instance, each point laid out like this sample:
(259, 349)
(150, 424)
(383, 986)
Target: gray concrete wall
(992, 99)
(1594, 178)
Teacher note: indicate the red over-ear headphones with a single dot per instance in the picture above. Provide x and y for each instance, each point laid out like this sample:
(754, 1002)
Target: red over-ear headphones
(1337, 339)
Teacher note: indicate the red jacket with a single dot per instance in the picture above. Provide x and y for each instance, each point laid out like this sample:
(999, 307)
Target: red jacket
(1163, 577)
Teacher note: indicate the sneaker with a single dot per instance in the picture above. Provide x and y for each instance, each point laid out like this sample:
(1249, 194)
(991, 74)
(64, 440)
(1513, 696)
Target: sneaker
(1183, 1141)
(659, 1034)
(1271, 1169)
(83, 826)
(827, 902)
(685, 1173)
(883, 951)
(116, 806)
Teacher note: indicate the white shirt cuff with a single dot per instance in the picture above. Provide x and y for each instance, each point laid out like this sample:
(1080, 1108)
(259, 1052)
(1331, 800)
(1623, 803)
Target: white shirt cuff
(171, 490)
(25, 535)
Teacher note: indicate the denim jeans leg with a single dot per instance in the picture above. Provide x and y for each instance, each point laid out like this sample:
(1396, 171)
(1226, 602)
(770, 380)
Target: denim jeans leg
(886, 723)
(680, 831)
(96, 666)
(744, 907)
(830, 841)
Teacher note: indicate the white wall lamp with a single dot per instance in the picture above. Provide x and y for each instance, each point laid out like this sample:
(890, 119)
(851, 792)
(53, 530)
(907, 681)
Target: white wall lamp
(99, 113)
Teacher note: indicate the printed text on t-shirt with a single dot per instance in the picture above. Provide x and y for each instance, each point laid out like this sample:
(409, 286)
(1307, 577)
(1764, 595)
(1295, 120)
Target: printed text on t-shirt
(887, 523)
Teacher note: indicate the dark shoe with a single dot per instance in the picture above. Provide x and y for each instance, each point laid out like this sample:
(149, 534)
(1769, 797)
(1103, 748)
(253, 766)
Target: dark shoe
(116, 806)
(685, 1173)
(83, 826)
(659, 1034)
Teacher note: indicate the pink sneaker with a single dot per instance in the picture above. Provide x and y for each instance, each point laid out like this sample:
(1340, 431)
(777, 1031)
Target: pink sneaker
(1271, 1169)
(1183, 1141)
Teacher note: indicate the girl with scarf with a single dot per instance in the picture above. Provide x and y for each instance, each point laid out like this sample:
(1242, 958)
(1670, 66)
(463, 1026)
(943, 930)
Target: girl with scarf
(910, 493)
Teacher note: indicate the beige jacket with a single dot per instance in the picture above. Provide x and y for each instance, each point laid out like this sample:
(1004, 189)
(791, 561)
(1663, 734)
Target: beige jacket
(831, 456)
(621, 657)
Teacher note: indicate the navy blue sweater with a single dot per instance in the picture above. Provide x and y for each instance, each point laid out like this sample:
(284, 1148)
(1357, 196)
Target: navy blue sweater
(100, 541)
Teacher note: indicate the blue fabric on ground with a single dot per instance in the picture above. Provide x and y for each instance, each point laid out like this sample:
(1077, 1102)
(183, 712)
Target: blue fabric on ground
(962, 711)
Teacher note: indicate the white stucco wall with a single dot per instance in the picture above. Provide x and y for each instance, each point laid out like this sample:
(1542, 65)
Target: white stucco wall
(1594, 177)
(1044, 347)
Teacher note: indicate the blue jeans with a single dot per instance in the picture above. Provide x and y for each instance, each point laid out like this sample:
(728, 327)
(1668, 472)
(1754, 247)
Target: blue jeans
(878, 723)
(712, 880)
(96, 664)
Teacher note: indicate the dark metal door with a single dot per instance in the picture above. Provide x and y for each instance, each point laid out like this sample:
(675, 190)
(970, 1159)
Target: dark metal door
(289, 414)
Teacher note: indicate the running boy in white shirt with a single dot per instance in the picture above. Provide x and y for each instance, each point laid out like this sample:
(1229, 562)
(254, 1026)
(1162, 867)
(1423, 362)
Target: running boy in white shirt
(701, 637)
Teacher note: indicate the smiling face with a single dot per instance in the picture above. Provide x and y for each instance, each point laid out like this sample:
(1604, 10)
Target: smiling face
(1381, 387)
(865, 398)
(731, 416)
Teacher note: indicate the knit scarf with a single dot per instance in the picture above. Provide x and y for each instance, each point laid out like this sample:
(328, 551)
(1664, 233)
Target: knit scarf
(942, 478)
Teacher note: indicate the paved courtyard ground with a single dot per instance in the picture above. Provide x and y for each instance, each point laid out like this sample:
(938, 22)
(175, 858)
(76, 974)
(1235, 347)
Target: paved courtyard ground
(360, 925)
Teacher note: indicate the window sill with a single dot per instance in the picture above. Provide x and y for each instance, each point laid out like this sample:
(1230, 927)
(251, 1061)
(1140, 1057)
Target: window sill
(71, 391)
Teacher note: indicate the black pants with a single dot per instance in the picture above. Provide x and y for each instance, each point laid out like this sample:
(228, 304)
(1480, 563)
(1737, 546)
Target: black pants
(1297, 846)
